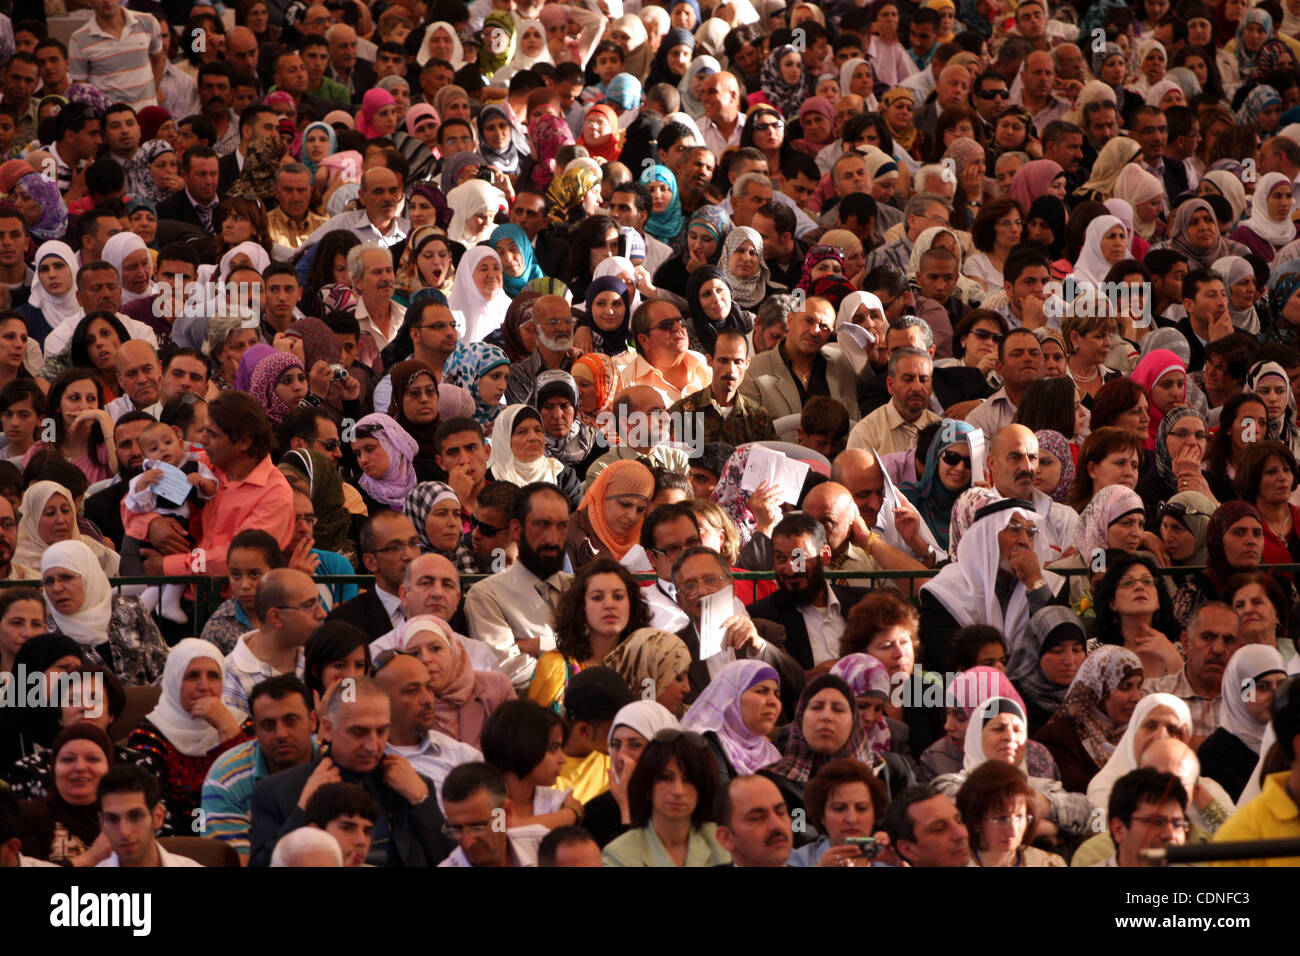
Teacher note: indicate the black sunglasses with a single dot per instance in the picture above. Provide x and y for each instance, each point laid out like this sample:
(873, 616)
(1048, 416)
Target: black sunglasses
(952, 458)
(484, 528)
(993, 94)
(1179, 511)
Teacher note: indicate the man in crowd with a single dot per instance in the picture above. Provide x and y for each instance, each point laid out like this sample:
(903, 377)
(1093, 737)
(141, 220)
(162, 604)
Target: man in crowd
(288, 605)
(754, 822)
(388, 544)
(478, 819)
(724, 413)
(553, 323)
(1147, 811)
(925, 829)
(663, 359)
(1211, 635)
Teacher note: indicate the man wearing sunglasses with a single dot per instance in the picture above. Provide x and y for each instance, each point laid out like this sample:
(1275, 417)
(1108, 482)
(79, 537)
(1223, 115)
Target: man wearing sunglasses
(288, 605)
(664, 360)
(990, 98)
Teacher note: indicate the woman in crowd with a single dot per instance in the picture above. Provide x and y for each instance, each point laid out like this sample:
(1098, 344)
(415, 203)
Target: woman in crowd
(334, 651)
(190, 727)
(414, 406)
(607, 327)
(1108, 456)
(1269, 227)
(1229, 755)
(670, 800)
(712, 309)
(83, 430)
(634, 726)
(1093, 715)
(1270, 382)
(1234, 542)
(651, 659)
(519, 453)
(1242, 415)
(608, 522)
(745, 270)
(479, 300)
(597, 612)
(64, 824)
(705, 231)
(844, 800)
(735, 713)
(526, 743)
(1055, 465)
(112, 630)
(1043, 666)
(1133, 610)
(49, 516)
(996, 229)
(463, 698)
(947, 474)
(996, 804)
(386, 455)
(1264, 609)
(481, 369)
(434, 509)
(1266, 478)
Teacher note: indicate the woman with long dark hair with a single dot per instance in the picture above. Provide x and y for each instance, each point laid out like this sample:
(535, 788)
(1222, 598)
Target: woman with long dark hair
(1134, 611)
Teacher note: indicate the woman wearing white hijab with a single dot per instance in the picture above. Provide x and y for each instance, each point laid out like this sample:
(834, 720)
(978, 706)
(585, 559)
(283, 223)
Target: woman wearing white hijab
(864, 313)
(523, 60)
(968, 290)
(457, 57)
(257, 257)
(691, 104)
(634, 726)
(1146, 195)
(55, 308)
(1230, 753)
(846, 82)
(48, 516)
(474, 206)
(1269, 227)
(1143, 727)
(479, 301)
(519, 456)
(120, 248)
(112, 630)
(1233, 270)
(998, 730)
(1104, 244)
(191, 726)
(1223, 182)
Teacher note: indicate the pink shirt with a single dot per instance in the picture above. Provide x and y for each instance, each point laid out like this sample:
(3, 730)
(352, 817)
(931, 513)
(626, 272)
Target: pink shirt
(262, 500)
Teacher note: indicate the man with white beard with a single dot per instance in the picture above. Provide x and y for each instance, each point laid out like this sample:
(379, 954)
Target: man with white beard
(553, 323)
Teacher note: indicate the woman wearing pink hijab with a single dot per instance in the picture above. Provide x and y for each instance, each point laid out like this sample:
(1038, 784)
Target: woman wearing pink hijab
(1041, 177)
(379, 114)
(1164, 376)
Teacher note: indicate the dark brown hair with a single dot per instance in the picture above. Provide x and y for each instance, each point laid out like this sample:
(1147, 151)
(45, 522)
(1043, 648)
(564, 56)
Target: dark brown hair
(571, 630)
(836, 774)
(992, 787)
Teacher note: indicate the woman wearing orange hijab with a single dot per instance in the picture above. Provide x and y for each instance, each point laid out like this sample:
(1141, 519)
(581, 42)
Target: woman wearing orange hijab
(601, 136)
(608, 521)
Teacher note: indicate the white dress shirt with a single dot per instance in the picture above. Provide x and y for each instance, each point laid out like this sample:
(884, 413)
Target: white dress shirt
(514, 604)
(164, 859)
(435, 756)
(392, 606)
(524, 842)
(359, 222)
(481, 657)
(825, 627)
(664, 612)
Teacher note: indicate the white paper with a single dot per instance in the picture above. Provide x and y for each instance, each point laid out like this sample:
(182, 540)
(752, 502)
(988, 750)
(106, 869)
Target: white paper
(775, 468)
(174, 484)
(854, 340)
(978, 453)
(714, 610)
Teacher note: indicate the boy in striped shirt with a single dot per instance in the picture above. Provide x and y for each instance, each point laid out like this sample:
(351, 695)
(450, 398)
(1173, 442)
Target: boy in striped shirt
(119, 52)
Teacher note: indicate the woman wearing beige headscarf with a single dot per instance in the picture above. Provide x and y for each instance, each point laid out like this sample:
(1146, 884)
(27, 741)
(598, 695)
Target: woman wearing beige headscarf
(1094, 91)
(656, 661)
(49, 515)
(629, 32)
(1114, 156)
(1146, 195)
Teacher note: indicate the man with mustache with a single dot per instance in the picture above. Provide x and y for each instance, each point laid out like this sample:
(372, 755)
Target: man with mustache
(377, 220)
(1213, 632)
(1012, 466)
(432, 753)
(513, 611)
(356, 727)
(663, 359)
(371, 267)
(754, 822)
(553, 324)
(104, 499)
(894, 426)
(643, 435)
(727, 416)
(812, 611)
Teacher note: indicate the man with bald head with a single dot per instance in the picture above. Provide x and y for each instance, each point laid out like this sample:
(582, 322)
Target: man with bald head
(848, 534)
(288, 605)
(356, 725)
(896, 524)
(1013, 465)
(1037, 90)
(356, 75)
(952, 90)
(553, 324)
(431, 585)
(139, 375)
(722, 121)
(412, 734)
(641, 417)
(241, 50)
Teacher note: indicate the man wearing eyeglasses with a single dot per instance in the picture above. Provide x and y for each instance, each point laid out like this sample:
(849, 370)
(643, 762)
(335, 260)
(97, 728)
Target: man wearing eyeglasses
(408, 831)
(990, 98)
(479, 813)
(698, 573)
(433, 337)
(388, 544)
(288, 605)
(554, 325)
(923, 210)
(1147, 810)
(782, 379)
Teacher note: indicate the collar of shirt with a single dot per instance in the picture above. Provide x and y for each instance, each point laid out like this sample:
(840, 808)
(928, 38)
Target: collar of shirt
(894, 419)
(243, 658)
(396, 314)
(392, 604)
(1276, 798)
(202, 205)
(1156, 169)
(128, 18)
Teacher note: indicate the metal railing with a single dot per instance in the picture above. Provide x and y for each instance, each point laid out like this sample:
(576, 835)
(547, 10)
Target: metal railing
(208, 590)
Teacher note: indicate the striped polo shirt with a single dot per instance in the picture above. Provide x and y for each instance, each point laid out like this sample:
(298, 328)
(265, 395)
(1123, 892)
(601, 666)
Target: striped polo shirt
(118, 66)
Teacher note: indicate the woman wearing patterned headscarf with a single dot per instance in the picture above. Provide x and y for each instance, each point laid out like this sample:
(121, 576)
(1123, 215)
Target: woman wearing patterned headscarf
(1283, 309)
(1113, 157)
(821, 259)
(279, 384)
(547, 134)
(699, 244)
(597, 379)
(498, 42)
(660, 657)
(785, 82)
(1093, 714)
(573, 196)
(434, 509)
(467, 367)
(811, 745)
(42, 206)
(386, 456)
(1057, 447)
(744, 267)
(1262, 108)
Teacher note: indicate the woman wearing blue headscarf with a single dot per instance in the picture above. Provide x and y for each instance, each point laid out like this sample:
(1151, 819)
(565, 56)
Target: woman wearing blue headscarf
(516, 252)
(318, 141)
(480, 369)
(623, 92)
(1263, 108)
(947, 474)
(666, 217)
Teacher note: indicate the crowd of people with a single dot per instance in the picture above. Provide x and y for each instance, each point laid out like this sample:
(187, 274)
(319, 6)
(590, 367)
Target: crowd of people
(846, 435)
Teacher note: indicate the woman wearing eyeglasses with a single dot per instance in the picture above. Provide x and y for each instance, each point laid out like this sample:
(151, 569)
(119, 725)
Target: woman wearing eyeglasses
(1179, 456)
(975, 344)
(995, 805)
(670, 800)
(947, 474)
(1133, 610)
(996, 229)
(764, 131)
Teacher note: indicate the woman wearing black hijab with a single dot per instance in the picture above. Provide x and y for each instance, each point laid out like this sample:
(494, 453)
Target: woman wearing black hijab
(24, 730)
(713, 310)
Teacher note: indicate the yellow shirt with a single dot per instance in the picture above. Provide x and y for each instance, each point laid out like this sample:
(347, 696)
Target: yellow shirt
(549, 680)
(286, 232)
(588, 777)
(1272, 815)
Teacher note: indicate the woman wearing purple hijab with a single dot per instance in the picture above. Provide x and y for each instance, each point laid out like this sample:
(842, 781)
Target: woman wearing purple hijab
(386, 454)
(244, 374)
(735, 713)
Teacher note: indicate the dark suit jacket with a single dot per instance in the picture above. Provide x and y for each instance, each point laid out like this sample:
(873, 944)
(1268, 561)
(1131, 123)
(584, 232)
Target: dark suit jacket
(951, 385)
(363, 78)
(178, 206)
(415, 836)
(787, 668)
(365, 611)
(104, 508)
(780, 607)
(227, 173)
